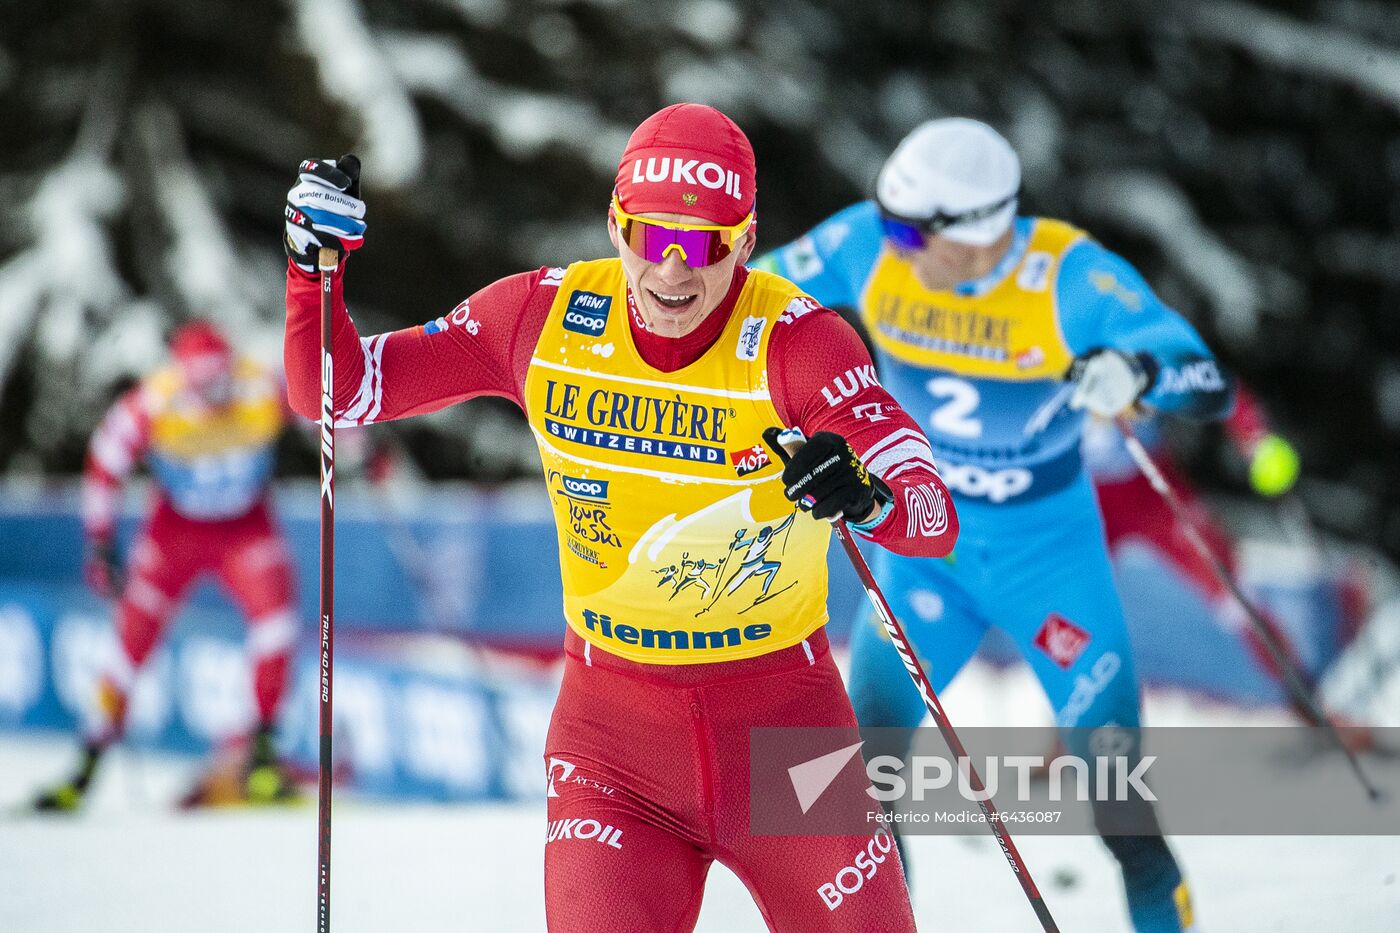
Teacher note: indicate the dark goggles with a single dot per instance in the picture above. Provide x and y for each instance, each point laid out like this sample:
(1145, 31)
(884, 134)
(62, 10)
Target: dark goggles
(912, 233)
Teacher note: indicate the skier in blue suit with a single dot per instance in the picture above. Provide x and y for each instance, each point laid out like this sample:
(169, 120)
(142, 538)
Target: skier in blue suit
(1003, 332)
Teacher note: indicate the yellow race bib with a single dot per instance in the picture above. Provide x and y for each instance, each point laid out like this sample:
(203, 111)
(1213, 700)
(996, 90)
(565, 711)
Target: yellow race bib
(676, 544)
(1011, 332)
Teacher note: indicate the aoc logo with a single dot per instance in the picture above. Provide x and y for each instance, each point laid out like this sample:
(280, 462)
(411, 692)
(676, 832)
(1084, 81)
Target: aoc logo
(1030, 357)
(587, 313)
(1061, 640)
(749, 460)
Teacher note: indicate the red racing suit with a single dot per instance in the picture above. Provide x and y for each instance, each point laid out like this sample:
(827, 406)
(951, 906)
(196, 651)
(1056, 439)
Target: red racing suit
(209, 515)
(648, 762)
(1132, 509)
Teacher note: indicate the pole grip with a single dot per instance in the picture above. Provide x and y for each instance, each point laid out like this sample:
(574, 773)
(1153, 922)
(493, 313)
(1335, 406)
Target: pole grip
(784, 441)
(327, 259)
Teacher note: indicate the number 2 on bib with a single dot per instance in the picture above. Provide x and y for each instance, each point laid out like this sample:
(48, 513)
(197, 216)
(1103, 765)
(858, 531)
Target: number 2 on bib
(954, 416)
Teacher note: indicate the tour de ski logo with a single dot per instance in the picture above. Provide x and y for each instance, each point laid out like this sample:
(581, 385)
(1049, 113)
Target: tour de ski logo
(745, 572)
(587, 503)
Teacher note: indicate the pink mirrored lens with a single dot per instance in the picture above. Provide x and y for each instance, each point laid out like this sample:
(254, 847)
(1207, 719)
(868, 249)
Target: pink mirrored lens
(653, 243)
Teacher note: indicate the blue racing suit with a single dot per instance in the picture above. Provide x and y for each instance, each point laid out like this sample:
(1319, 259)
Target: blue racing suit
(983, 366)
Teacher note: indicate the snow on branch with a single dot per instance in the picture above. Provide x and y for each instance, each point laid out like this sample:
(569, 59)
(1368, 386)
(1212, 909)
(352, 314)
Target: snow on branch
(354, 72)
(852, 151)
(67, 266)
(201, 261)
(522, 123)
(68, 263)
(1154, 207)
(1324, 51)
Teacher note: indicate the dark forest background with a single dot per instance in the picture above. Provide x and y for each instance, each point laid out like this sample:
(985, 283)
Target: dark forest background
(1244, 156)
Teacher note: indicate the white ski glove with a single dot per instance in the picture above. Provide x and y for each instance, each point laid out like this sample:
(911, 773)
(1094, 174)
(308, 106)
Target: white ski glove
(324, 210)
(1107, 382)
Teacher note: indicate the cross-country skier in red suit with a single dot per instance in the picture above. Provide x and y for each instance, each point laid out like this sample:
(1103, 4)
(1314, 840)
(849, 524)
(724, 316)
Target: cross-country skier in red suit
(1133, 509)
(206, 425)
(648, 379)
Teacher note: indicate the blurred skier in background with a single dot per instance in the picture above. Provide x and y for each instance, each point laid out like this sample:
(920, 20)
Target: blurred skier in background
(205, 425)
(1002, 332)
(1131, 508)
(1134, 513)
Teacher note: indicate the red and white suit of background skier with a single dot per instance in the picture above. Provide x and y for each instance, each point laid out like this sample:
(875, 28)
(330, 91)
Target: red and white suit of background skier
(1134, 511)
(205, 425)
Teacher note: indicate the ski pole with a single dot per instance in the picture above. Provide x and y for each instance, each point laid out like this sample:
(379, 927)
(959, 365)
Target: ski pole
(327, 263)
(784, 444)
(1293, 679)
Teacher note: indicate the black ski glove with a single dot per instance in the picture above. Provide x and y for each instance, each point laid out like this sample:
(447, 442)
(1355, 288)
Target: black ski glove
(826, 478)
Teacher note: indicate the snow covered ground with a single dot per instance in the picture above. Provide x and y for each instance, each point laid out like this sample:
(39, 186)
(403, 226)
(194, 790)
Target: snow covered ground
(130, 864)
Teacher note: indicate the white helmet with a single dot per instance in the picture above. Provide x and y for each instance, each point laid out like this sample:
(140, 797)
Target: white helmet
(950, 167)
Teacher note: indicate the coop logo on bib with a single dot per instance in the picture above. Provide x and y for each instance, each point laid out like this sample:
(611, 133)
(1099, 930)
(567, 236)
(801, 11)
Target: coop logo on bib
(587, 313)
(595, 490)
(588, 505)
